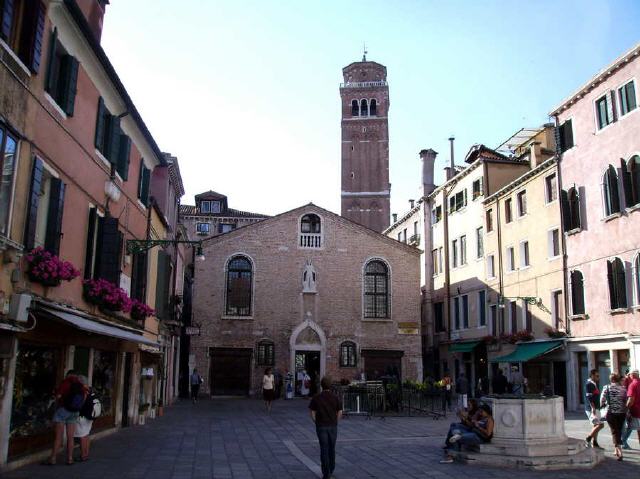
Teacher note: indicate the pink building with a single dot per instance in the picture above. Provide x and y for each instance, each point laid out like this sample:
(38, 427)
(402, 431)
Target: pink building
(599, 133)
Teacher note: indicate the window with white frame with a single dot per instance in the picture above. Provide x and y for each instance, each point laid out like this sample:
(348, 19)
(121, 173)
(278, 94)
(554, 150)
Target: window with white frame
(511, 258)
(491, 266)
(8, 147)
(454, 253)
(604, 111)
(522, 202)
(205, 207)
(553, 238)
(476, 189)
(226, 227)
(463, 250)
(508, 211)
(627, 98)
(348, 357)
(489, 220)
(203, 228)
(434, 260)
(479, 242)
(216, 207)
(524, 254)
(550, 188)
(557, 309)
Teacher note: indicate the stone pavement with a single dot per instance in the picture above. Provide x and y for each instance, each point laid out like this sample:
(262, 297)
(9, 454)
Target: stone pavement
(235, 439)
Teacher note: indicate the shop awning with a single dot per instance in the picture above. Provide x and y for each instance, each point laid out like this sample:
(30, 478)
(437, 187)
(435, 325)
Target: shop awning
(99, 328)
(527, 351)
(463, 347)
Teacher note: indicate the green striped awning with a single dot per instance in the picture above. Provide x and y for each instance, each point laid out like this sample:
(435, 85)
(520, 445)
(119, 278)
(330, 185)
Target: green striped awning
(527, 351)
(463, 347)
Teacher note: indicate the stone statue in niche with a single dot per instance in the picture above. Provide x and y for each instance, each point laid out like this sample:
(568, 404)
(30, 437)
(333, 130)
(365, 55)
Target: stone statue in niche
(309, 278)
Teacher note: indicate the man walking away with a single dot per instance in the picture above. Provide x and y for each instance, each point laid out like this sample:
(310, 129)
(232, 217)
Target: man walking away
(196, 381)
(462, 388)
(500, 383)
(326, 411)
(592, 408)
(633, 405)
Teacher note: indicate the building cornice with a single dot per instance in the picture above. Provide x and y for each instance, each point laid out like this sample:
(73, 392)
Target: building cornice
(520, 180)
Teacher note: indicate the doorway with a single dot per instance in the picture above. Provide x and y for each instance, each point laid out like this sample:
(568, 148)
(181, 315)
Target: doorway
(560, 380)
(230, 371)
(126, 389)
(309, 362)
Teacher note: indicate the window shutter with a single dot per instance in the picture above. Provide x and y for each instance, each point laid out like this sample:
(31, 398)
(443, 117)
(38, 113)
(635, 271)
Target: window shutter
(144, 189)
(620, 283)
(49, 82)
(567, 138)
(54, 219)
(100, 125)
(626, 183)
(32, 205)
(577, 292)
(8, 11)
(114, 140)
(633, 168)
(109, 246)
(612, 290)
(124, 152)
(611, 106)
(161, 292)
(566, 210)
(33, 33)
(612, 185)
(91, 232)
(70, 82)
(139, 276)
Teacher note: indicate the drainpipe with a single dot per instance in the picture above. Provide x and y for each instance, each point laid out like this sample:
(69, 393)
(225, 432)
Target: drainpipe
(500, 271)
(563, 240)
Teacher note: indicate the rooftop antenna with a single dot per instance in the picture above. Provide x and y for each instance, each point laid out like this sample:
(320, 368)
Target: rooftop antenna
(364, 52)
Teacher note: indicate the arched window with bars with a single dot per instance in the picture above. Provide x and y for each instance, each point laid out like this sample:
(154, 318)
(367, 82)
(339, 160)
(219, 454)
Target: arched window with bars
(364, 107)
(355, 109)
(617, 284)
(348, 355)
(373, 107)
(265, 353)
(239, 286)
(376, 290)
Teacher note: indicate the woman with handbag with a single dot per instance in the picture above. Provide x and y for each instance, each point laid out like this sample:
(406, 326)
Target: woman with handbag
(613, 402)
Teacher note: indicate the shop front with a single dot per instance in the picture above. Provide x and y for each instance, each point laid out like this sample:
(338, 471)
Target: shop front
(62, 339)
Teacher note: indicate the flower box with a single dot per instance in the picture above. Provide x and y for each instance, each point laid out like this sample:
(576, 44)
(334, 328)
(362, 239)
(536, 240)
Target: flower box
(106, 295)
(140, 311)
(47, 269)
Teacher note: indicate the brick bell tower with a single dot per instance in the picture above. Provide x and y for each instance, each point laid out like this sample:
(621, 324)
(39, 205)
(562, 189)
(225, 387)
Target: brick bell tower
(366, 190)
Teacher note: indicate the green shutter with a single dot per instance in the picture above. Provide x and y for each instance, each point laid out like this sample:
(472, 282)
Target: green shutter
(54, 216)
(626, 183)
(6, 19)
(70, 82)
(100, 126)
(51, 77)
(114, 140)
(146, 178)
(161, 292)
(32, 205)
(89, 255)
(109, 250)
(124, 151)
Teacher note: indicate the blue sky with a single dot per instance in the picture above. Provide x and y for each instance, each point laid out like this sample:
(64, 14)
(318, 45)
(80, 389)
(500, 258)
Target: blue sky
(245, 93)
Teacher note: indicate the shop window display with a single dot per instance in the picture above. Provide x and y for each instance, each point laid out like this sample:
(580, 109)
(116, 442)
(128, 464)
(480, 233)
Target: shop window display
(33, 398)
(103, 383)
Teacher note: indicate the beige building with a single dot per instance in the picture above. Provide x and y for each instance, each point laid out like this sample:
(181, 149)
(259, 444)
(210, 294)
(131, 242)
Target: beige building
(306, 290)
(524, 268)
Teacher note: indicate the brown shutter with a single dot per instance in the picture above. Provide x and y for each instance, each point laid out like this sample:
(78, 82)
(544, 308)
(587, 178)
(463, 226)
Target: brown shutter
(30, 48)
(54, 219)
(70, 81)
(89, 255)
(109, 250)
(32, 205)
(7, 13)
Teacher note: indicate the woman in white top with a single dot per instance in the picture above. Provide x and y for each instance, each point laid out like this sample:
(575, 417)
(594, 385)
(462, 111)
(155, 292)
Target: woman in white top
(268, 391)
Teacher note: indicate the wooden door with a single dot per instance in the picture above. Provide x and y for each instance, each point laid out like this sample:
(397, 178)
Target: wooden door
(230, 371)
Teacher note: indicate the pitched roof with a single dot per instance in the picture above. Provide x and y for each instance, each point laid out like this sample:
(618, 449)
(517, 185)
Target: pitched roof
(325, 213)
(210, 195)
(190, 210)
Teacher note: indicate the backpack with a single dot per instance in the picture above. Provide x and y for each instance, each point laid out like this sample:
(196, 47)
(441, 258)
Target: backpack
(92, 408)
(74, 399)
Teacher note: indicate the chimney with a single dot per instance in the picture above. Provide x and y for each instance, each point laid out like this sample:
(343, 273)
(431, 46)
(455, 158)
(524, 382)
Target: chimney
(412, 203)
(428, 158)
(535, 156)
(395, 217)
(93, 11)
(453, 164)
(448, 172)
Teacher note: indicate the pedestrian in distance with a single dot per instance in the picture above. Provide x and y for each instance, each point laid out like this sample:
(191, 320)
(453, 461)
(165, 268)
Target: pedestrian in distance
(592, 408)
(70, 397)
(91, 409)
(196, 381)
(326, 411)
(613, 400)
(462, 389)
(500, 383)
(446, 381)
(633, 406)
(268, 388)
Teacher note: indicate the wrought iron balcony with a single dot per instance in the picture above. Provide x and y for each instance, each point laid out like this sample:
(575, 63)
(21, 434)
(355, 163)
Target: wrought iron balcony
(414, 240)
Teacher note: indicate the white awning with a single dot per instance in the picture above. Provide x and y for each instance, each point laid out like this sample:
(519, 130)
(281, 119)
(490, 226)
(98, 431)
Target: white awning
(99, 328)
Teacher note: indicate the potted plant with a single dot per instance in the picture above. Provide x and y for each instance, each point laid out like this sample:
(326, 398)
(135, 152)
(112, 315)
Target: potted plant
(555, 333)
(490, 339)
(524, 335)
(47, 269)
(106, 295)
(140, 311)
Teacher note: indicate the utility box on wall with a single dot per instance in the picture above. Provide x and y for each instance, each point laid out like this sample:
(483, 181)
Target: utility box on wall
(19, 307)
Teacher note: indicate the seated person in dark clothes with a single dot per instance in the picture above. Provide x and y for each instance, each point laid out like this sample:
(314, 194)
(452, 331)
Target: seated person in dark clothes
(481, 432)
(467, 416)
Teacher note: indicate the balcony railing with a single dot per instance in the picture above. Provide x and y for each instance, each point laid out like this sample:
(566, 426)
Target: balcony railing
(363, 84)
(414, 240)
(310, 240)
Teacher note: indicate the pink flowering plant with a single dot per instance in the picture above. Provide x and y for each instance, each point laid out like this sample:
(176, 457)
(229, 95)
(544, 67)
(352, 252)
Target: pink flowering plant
(46, 268)
(106, 295)
(139, 310)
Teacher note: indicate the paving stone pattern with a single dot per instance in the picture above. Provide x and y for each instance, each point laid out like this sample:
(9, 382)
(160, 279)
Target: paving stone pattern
(235, 439)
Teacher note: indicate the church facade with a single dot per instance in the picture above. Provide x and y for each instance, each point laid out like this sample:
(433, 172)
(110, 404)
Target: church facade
(305, 291)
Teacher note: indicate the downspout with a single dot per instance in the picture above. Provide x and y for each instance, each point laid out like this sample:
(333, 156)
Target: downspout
(563, 240)
(500, 271)
(445, 226)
